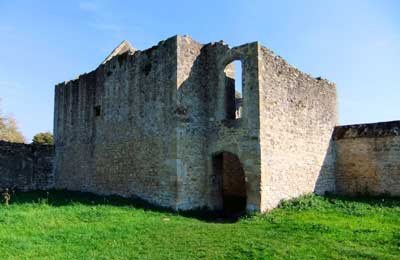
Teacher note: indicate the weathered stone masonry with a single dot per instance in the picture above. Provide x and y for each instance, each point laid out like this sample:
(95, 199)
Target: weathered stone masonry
(297, 117)
(368, 159)
(26, 167)
(162, 124)
(152, 123)
(156, 123)
(115, 131)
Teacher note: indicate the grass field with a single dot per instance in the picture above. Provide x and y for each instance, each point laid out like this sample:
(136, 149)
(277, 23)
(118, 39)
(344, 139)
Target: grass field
(61, 225)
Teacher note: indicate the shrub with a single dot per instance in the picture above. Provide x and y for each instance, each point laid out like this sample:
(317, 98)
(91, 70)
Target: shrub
(43, 138)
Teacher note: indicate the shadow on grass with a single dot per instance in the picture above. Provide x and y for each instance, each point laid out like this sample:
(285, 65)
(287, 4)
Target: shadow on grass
(349, 205)
(59, 198)
(381, 201)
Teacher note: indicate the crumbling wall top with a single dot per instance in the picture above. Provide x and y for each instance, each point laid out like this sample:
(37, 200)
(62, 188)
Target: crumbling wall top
(123, 47)
(292, 69)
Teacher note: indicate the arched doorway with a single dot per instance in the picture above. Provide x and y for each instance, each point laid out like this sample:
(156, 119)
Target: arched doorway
(232, 186)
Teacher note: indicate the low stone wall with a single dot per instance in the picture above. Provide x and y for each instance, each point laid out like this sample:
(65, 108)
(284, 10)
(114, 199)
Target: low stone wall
(25, 166)
(368, 159)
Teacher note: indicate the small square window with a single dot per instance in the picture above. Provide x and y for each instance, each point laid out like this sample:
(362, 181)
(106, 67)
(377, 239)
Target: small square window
(97, 110)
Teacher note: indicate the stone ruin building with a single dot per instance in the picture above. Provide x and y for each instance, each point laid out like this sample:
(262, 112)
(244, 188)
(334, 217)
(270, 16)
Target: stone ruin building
(166, 125)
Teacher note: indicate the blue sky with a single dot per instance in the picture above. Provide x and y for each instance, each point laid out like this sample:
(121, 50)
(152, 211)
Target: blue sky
(355, 44)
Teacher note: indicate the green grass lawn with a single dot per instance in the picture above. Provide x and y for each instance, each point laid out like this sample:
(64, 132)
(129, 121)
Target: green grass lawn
(62, 225)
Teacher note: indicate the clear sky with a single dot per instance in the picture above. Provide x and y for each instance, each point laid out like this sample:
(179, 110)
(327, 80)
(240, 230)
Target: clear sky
(355, 44)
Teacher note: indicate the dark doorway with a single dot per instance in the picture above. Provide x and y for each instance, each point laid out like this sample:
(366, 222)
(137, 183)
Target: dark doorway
(230, 174)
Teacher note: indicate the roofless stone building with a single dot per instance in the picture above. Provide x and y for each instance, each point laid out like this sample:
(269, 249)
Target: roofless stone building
(166, 125)
(162, 124)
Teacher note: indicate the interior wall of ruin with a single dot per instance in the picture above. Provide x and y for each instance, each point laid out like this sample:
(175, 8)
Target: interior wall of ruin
(236, 136)
(202, 127)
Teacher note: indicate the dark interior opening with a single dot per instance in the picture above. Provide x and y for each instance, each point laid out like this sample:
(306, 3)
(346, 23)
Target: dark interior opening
(229, 171)
(97, 110)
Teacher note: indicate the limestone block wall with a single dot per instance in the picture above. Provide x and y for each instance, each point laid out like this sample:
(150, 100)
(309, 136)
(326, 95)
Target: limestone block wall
(297, 117)
(115, 127)
(26, 167)
(368, 159)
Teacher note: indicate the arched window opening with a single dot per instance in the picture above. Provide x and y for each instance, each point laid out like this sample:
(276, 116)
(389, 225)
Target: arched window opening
(229, 171)
(234, 89)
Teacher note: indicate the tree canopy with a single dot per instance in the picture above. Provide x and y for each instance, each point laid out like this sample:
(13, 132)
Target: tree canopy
(9, 129)
(43, 138)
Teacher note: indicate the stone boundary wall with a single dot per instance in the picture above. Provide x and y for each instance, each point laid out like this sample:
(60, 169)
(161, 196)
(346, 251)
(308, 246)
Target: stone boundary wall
(368, 159)
(26, 166)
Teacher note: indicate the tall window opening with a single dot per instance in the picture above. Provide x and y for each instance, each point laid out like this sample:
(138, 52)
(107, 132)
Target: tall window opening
(234, 89)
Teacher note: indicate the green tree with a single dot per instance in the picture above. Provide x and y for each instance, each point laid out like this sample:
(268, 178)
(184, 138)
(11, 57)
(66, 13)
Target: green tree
(43, 138)
(9, 129)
